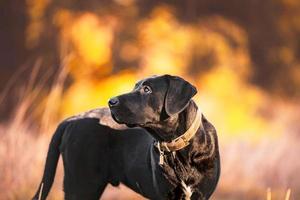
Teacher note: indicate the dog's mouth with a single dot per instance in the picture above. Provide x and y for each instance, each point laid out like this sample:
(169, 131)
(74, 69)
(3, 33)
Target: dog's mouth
(116, 118)
(130, 125)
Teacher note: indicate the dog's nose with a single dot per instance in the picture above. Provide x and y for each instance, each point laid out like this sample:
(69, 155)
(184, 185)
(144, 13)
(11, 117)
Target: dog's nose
(113, 101)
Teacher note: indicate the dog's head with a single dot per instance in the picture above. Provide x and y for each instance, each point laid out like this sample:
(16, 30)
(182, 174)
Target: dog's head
(152, 100)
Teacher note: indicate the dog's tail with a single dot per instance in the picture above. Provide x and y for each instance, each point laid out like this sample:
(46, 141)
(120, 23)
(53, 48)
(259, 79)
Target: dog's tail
(51, 163)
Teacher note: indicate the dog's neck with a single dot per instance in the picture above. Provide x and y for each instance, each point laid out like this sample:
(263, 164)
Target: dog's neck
(175, 125)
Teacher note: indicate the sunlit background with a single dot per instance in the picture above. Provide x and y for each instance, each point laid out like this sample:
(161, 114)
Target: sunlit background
(59, 58)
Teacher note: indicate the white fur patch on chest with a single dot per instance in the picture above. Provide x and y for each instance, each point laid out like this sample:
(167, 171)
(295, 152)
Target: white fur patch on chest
(187, 190)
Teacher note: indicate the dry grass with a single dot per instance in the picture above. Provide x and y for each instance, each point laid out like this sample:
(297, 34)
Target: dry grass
(246, 170)
(22, 148)
(287, 195)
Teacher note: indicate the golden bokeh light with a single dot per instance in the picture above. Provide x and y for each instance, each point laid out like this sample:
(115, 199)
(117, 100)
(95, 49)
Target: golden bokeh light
(165, 46)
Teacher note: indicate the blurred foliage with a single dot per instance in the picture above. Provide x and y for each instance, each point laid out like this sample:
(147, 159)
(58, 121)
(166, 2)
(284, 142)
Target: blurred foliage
(240, 54)
(126, 32)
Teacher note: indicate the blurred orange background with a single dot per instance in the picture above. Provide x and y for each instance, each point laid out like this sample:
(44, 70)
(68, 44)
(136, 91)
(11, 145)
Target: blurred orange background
(59, 58)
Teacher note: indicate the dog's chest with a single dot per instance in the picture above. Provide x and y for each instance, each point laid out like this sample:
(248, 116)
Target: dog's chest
(182, 175)
(147, 179)
(172, 180)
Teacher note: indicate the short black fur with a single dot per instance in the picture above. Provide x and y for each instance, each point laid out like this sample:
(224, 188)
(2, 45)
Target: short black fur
(97, 151)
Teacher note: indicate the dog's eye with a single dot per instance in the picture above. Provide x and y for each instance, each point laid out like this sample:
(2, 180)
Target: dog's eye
(147, 89)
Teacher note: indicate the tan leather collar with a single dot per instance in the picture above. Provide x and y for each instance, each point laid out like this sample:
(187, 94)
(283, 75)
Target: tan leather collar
(183, 140)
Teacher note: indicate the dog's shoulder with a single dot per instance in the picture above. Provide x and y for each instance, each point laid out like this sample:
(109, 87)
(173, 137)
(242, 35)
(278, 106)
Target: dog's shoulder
(102, 114)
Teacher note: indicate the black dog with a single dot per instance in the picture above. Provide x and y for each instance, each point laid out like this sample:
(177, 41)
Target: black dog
(170, 151)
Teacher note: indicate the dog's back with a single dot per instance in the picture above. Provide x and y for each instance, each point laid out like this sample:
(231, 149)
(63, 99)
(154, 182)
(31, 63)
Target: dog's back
(83, 141)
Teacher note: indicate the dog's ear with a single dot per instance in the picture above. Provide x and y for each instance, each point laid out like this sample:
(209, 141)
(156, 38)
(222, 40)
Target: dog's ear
(178, 95)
